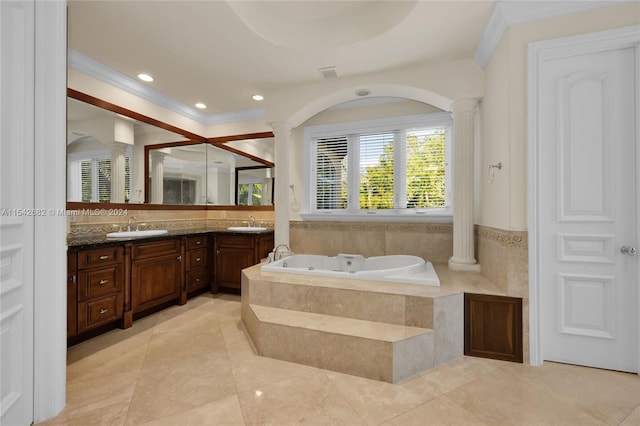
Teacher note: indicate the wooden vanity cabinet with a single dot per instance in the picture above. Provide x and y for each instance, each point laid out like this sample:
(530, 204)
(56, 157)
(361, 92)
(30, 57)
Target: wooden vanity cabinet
(196, 276)
(99, 288)
(233, 253)
(156, 273)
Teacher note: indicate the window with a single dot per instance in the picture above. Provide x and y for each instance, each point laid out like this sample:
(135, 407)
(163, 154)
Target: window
(90, 176)
(388, 167)
(250, 194)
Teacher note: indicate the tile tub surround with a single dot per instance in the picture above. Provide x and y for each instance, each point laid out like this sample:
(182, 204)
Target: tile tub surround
(430, 241)
(383, 331)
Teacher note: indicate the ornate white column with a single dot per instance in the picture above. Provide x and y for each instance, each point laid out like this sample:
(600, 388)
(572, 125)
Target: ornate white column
(157, 176)
(282, 148)
(463, 258)
(117, 171)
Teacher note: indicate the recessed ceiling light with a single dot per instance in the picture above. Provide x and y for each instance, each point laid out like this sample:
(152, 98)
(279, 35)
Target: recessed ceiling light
(257, 97)
(200, 105)
(145, 77)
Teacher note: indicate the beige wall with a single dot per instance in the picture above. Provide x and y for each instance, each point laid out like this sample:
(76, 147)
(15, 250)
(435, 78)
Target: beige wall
(503, 203)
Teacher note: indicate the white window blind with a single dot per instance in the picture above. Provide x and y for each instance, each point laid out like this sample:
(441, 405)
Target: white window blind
(376, 169)
(331, 173)
(425, 164)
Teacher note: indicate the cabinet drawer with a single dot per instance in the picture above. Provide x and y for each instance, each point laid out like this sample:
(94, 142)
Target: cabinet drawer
(196, 259)
(197, 242)
(155, 248)
(99, 282)
(234, 241)
(196, 279)
(100, 256)
(98, 312)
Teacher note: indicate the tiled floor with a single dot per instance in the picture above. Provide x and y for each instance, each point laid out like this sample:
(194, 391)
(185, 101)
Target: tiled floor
(193, 365)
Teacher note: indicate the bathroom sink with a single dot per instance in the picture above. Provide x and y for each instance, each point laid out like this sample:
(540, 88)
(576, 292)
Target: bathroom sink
(246, 228)
(137, 234)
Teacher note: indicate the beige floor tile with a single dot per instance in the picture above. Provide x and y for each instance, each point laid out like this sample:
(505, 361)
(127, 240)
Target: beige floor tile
(377, 401)
(233, 331)
(632, 419)
(309, 399)
(451, 375)
(169, 388)
(224, 412)
(103, 400)
(440, 411)
(606, 395)
(183, 342)
(502, 399)
(252, 371)
(124, 356)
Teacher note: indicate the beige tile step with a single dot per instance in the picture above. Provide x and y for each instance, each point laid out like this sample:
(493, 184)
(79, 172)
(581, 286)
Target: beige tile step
(363, 301)
(379, 351)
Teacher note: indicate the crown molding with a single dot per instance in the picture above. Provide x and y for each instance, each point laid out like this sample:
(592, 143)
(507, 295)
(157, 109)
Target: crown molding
(99, 71)
(507, 13)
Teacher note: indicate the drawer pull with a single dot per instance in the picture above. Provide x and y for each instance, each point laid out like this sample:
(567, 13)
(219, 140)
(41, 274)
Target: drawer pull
(197, 280)
(198, 259)
(198, 243)
(103, 311)
(103, 282)
(103, 257)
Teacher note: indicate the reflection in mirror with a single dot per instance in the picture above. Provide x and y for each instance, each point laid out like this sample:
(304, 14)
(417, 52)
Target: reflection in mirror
(189, 173)
(110, 149)
(105, 154)
(254, 186)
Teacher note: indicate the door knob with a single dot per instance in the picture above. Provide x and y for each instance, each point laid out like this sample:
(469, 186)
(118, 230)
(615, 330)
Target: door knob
(628, 250)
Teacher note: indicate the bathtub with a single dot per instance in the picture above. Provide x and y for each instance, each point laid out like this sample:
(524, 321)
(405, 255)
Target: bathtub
(393, 268)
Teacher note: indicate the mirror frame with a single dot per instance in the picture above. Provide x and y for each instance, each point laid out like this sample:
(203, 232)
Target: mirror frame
(192, 139)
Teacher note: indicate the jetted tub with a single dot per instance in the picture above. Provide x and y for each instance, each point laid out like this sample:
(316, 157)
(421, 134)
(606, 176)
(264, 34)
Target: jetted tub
(393, 268)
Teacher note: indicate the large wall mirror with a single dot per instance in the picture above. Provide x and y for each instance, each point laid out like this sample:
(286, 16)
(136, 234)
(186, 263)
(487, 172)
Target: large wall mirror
(115, 155)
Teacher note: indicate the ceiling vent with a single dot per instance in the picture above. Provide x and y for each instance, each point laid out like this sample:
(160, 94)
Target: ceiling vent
(328, 72)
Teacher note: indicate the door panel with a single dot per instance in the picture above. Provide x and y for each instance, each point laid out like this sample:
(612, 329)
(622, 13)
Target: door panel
(588, 209)
(16, 224)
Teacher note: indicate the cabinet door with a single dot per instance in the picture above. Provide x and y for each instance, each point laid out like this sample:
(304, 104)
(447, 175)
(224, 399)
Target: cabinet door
(72, 293)
(230, 261)
(493, 327)
(155, 281)
(72, 304)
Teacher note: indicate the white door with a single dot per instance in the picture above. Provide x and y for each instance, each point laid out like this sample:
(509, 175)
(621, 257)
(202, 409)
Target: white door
(16, 221)
(587, 209)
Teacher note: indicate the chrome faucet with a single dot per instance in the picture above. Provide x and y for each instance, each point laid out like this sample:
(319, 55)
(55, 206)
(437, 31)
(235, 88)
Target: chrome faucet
(277, 254)
(129, 223)
(252, 221)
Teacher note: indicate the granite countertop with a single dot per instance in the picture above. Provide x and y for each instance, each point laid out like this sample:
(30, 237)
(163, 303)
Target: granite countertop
(88, 240)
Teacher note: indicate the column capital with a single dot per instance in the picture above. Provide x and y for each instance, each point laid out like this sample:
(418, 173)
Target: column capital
(281, 128)
(118, 147)
(464, 105)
